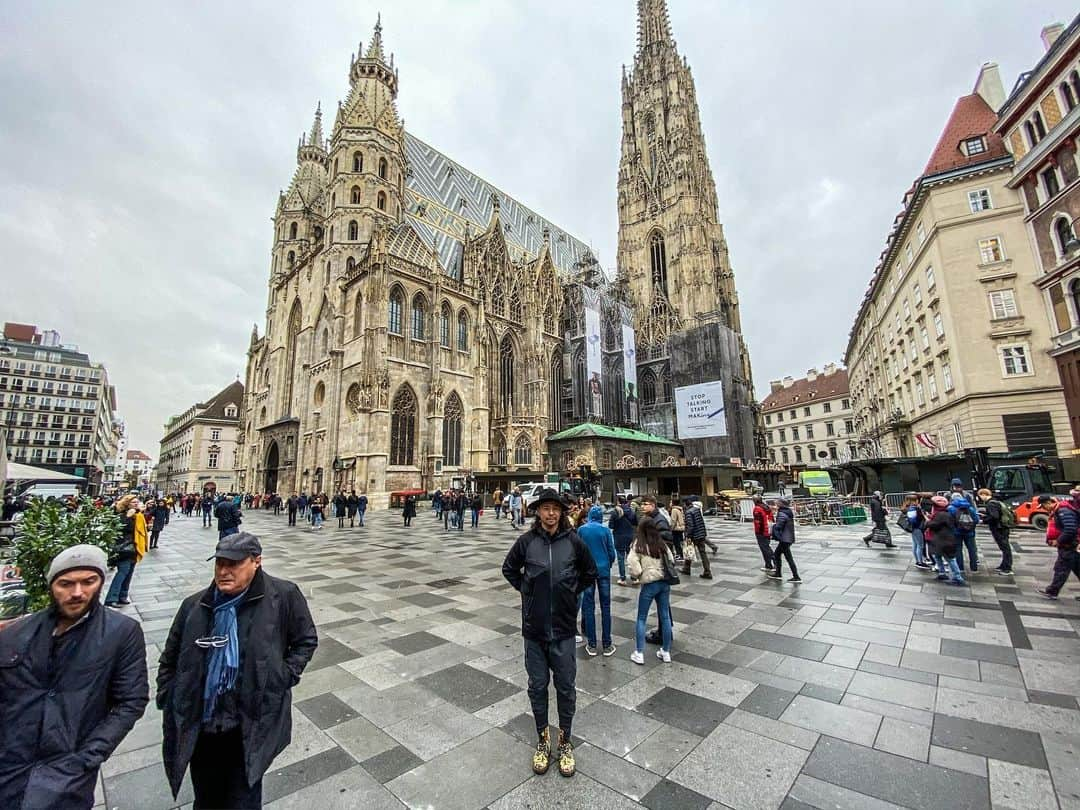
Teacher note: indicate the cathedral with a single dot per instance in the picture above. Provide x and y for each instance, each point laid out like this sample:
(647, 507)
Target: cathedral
(423, 326)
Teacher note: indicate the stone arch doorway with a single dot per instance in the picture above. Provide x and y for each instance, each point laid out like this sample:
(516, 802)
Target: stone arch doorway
(271, 468)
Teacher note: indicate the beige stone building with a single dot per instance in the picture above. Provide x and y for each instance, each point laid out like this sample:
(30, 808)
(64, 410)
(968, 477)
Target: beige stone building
(947, 348)
(199, 445)
(1040, 122)
(809, 421)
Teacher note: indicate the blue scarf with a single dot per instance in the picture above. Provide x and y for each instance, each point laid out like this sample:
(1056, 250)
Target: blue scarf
(224, 664)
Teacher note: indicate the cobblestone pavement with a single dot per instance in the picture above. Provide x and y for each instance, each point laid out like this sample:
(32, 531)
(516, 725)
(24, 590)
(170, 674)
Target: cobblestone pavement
(869, 685)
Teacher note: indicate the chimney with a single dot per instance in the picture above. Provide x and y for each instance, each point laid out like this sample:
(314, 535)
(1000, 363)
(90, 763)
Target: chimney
(788, 382)
(989, 85)
(1050, 34)
(775, 385)
(830, 368)
(811, 374)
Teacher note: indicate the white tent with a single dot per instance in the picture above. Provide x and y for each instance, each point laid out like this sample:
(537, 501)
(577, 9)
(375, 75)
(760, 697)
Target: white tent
(24, 472)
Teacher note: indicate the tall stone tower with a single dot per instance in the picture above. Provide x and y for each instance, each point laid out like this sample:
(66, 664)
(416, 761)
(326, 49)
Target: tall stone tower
(672, 255)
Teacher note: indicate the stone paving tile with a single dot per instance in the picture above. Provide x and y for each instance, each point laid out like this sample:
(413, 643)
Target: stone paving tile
(663, 749)
(280, 782)
(631, 780)
(391, 763)
(326, 710)
(903, 738)
(814, 650)
(844, 722)
(994, 653)
(667, 794)
(989, 740)
(767, 701)
(691, 713)
(465, 686)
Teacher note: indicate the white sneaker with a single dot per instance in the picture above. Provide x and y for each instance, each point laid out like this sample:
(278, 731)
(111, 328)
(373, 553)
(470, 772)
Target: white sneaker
(664, 656)
(578, 639)
(637, 657)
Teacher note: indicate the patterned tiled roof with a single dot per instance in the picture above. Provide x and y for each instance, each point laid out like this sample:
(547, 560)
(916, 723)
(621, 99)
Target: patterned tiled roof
(822, 387)
(443, 197)
(971, 118)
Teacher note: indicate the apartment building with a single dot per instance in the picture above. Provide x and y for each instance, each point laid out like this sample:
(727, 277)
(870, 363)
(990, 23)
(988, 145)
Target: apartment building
(199, 445)
(58, 406)
(947, 348)
(809, 421)
(1040, 123)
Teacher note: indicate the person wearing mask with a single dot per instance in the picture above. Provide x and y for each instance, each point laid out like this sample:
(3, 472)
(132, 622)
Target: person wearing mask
(762, 518)
(73, 683)
(550, 566)
(622, 522)
(601, 543)
(999, 517)
(696, 534)
(234, 652)
(783, 532)
(1066, 521)
(647, 559)
(966, 519)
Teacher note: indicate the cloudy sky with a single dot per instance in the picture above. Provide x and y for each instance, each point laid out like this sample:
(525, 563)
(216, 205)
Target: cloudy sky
(143, 145)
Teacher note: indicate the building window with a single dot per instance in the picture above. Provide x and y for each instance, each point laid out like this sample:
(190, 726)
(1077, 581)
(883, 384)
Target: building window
(523, 451)
(1014, 361)
(230, 411)
(292, 231)
(990, 250)
(498, 300)
(419, 315)
(811, 453)
(403, 427)
(380, 201)
(1050, 182)
(794, 414)
(907, 310)
(784, 455)
(1003, 304)
(215, 435)
(354, 230)
(444, 326)
(939, 325)
(829, 429)
(930, 278)
(848, 427)
(354, 195)
(946, 376)
(924, 335)
(908, 254)
(979, 200)
(783, 435)
(648, 389)
(212, 460)
(845, 404)
(658, 261)
(453, 414)
(920, 397)
(780, 416)
(798, 454)
(290, 260)
(795, 433)
(357, 162)
(920, 232)
(916, 295)
(1064, 233)
(506, 374)
(974, 146)
(958, 437)
(768, 419)
(397, 304)
(462, 331)
(806, 411)
(1068, 94)
(772, 455)
(515, 307)
(931, 382)
(383, 168)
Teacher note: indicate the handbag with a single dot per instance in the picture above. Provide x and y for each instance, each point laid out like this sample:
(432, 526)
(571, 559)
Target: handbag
(882, 536)
(667, 565)
(689, 551)
(903, 523)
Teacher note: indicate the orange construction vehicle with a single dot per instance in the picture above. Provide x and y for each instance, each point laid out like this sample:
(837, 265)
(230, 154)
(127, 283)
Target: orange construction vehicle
(1029, 513)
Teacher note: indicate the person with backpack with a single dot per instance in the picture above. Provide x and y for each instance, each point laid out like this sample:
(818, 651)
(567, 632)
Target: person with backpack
(999, 519)
(913, 521)
(783, 532)
(967, 518)
(1066, 520)
(762, 518)
(941, 535)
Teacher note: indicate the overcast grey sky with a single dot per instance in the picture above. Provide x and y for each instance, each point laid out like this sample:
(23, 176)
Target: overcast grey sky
(143, 145)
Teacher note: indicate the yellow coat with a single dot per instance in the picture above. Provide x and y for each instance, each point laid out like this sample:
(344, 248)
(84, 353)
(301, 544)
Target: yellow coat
(141, 537)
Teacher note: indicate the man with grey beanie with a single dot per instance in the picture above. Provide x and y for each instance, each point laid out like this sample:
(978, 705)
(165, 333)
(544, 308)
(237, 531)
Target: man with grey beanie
(73, 680)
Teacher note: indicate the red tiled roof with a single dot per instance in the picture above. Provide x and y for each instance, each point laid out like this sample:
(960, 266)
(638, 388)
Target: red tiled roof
(824, 386)
(971, 117)
(137, 454)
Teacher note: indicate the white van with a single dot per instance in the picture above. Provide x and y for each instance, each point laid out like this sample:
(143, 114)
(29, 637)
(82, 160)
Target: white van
(531, 491)
(51, 491)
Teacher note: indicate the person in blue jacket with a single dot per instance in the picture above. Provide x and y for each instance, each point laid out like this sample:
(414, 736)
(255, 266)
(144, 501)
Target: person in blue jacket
(623, 523)
(601, 542)
(967, 518)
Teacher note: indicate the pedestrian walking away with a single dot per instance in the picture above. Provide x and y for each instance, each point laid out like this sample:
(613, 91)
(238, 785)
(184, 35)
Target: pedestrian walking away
(623, 523)
(292, 507)
(999, 520)
(228, 517)
(601, 543)
(966, 519)
(477, 506)
(341, 504)
(1066, 521)
(551, 567)
(783, 532)
(361, 507)
(652, 563)
(678, 526)
(762, 518)
(73, 680)
(408, 511)
(698, 536)
(497, 502)
(207, 506)
(350, 506)
(233, 654)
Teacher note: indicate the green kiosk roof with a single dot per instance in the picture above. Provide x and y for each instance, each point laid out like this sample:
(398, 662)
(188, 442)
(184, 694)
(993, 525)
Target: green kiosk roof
(593, 430)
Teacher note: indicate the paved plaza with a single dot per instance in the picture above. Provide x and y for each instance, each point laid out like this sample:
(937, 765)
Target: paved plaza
(868, 685)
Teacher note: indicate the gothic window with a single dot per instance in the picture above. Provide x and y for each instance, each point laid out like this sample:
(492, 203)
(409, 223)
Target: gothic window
(463, 331)
(358, 315)
(453, 414)
(403, 427)
(292, 231)
(523, 451)
(331, 234)
(580, 384)
(291, 260)
(515, 307)
(383, 171)
(324, 343)
(506, 374)
(354, 230)
(397, 304)
(555, 393)
(333, 202)
(350, 264)
(1067, 94)
(498, 302)
(498, 451)
(665, 381)
(292, 337)
(444, 326)
(549, 318)
(357, 162)
(380, 201)
(648, 389)
(419, 315)
(354, 195)
(658, 261)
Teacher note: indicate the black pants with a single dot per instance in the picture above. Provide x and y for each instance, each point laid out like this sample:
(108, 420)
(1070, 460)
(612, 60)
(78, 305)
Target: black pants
(217, 773)
(154, 535)
(677, 538)
(765, 545)
(702, 554)
(784, 550)
(552, 661)
(1068, 562)
(292, 517)
(1001, 537)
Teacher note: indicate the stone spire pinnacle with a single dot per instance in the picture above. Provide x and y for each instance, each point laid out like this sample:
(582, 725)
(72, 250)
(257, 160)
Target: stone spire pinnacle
(315, 138)
(654, 26)
(374, 51)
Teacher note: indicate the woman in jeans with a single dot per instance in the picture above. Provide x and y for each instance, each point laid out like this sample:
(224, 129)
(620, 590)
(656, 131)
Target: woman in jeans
(917, 521)
(128, 549)
(646, 565)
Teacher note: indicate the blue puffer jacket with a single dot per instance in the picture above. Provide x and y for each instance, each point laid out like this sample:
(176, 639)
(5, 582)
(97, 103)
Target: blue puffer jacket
(622, 522)
(600, 540)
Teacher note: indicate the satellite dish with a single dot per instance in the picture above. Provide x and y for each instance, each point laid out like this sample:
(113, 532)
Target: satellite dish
(822, 454)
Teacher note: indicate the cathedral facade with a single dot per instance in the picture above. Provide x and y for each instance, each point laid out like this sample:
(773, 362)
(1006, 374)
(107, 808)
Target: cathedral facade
(422, 325)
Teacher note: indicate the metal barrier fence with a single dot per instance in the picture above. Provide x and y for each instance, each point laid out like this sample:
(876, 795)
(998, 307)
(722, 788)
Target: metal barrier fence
(836, 510)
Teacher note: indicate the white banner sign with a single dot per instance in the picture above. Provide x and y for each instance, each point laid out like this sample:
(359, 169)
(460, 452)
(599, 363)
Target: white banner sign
(630, 372)
(700, 410)
(593, 365)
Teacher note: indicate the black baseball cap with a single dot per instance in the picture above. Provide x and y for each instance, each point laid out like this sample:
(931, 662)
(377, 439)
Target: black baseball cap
(237, 547)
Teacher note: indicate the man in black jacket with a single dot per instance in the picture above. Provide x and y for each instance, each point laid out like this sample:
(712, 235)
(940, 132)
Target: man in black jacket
(72, 684)
(234, 653)
(697, 534)
(228, 517)
(551, 567)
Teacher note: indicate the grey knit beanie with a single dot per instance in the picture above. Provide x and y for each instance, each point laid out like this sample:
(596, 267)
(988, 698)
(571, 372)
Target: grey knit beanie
(84, 556)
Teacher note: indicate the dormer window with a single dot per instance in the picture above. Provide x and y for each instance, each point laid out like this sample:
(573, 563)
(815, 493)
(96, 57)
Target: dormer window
(974, 146)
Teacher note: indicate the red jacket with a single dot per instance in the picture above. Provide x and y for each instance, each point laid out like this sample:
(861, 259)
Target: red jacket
(762, 518)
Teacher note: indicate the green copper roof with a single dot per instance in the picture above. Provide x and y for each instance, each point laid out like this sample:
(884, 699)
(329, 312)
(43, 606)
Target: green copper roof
(590, 429)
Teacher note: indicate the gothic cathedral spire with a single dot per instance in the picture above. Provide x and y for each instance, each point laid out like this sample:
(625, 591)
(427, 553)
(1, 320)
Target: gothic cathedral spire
(653, 24)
